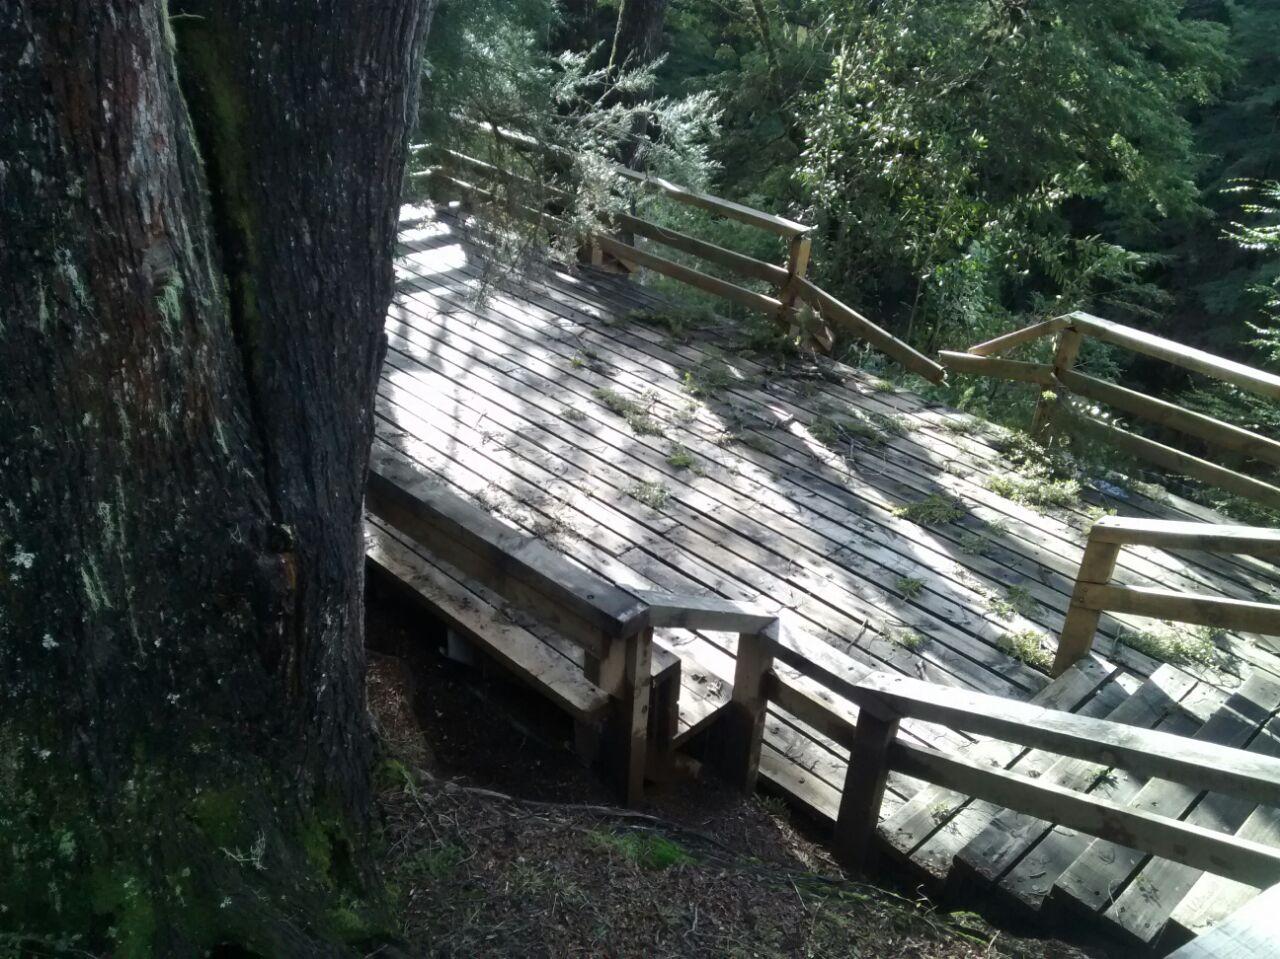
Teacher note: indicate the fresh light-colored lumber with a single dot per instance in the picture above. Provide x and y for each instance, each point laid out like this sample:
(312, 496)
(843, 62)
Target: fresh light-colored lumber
(836, 312)
(685, 274)
(1041, 373)
(1193, 845)
(1007, 341)
(715, 204)
(1163, 413)
(1246, 377)
(1261, 541)
(738, 262)
(1224, 613)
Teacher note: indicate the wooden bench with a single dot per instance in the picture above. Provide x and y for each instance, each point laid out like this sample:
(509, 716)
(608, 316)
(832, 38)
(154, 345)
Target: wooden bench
(609, 625)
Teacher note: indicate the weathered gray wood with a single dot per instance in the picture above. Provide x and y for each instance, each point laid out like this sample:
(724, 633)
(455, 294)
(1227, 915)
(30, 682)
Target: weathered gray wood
(715, 204)
(742, 723)
(624, 672)
(1252, 932)
(855, 833)
(1200, 761)
(1105, 867)
(529, 659)
(1064, 358)
(1179, 462)
(703, 612)
(1009, 834)
(566, 595)
(1179, 354)
(1202, 848)
(738, 262)
(1145, 906)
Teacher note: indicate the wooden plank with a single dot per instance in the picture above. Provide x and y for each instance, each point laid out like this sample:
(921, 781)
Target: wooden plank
(1103, 870)
(1246, 377)
(703, 612)
(698, 518)
(1171, 534)
(1177, 461)
(738, 262)
(1007, 341)
(513, 647)
(1239, 614)
(742, 725)
(1252, 932)
(836, 312)
(1146, 905)
(1214, 431)
(1010, 834)
(714, 204)
(1031, 880)
(1205, 763)
(1201, 848)
(1212, 899)
(1047, 557)
(503, 557)
(695, 278)
(1041, 373)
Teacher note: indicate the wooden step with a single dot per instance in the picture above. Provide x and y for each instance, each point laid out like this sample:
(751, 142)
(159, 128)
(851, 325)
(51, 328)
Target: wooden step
(1145, 907)
(1250, 932)
(1103, 872)
(1022, 856)
(936, 823)
(1213, 898)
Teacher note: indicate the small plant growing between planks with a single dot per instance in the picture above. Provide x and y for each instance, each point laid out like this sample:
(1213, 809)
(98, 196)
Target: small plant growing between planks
(635, 413)
(1017, 600)
(652, 494)
(934, 510)
(1036, 490)
(909, 586)
(1025, 647)
(1196, 646)
(679, 457)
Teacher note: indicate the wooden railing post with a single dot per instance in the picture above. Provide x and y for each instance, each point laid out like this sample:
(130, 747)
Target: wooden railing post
(864, 783)
(623, 672)
(742, 725)
(1081, 623)
(1064, 358)
(797, 265)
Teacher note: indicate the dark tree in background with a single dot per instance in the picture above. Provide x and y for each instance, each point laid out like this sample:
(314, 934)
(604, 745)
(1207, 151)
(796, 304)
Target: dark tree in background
(197, 209)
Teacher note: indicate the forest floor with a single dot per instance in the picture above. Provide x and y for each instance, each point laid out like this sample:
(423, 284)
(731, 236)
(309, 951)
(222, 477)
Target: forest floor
(498, 843)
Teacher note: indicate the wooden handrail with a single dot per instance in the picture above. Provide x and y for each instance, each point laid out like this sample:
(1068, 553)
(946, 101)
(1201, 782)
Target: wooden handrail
(1176, 534)
(1094, 593)
(1061, 377)
(704, 612)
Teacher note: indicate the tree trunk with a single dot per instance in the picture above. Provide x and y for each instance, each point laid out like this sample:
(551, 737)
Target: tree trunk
(638, 38)
(199, 203)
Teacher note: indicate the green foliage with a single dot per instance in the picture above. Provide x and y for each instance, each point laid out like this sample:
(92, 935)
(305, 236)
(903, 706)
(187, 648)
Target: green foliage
(645, 850)
(634, 412)
(651, 493)
(1036, 490)
(934, 510)
(1025, 647)
(909, 586)
(1178, 645)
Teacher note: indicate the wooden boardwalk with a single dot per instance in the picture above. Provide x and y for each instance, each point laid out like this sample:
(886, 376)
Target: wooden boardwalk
(683, 458)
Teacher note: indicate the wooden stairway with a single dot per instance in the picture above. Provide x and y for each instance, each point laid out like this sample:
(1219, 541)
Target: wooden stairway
(977, 851)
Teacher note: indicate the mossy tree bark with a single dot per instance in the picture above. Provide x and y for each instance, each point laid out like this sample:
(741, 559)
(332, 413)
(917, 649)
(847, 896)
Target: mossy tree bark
(198, 203)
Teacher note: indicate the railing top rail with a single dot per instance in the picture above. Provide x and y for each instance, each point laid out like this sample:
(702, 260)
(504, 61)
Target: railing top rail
(704, 612)
(1176, 534)
(1198, 361)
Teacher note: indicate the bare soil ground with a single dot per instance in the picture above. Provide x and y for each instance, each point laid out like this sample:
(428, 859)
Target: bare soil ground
(498, 843)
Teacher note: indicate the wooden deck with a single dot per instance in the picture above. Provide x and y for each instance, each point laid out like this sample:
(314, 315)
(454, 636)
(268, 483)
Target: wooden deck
(683, 460)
